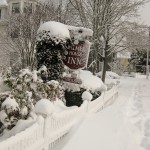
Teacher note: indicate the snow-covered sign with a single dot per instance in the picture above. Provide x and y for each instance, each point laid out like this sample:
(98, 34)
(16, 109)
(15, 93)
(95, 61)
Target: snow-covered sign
(77, 55)
(72, 80)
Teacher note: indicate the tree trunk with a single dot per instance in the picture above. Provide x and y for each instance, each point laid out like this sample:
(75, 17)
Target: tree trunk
(105, 61)
(104, 69)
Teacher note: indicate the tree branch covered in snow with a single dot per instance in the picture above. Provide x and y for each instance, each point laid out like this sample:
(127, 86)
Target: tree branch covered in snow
(105, 17)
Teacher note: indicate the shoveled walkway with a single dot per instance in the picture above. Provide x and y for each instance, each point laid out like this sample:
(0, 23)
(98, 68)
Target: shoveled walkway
(122, 126)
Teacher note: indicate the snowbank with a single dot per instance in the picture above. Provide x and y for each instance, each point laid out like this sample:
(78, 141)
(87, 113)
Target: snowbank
(112, 78)
(109, 75)
(89, 81)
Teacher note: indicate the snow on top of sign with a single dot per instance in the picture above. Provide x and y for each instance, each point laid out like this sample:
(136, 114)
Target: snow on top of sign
(89, 81)
(79, 33)
(3, 3)
(55, 29)
(81, 30)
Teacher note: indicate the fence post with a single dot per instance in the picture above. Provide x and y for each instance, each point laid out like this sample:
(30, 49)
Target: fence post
(103, 101)
(44, 108)
(87, 96)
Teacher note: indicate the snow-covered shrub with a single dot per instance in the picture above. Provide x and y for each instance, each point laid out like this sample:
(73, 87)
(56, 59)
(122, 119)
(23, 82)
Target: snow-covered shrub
(9, 114)
(25, 90)
(52, 39)
(29, 85)
(90, 83)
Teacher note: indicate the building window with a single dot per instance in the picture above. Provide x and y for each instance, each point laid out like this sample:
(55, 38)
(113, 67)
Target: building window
(0, 14)
(28, 7)
(15, 7)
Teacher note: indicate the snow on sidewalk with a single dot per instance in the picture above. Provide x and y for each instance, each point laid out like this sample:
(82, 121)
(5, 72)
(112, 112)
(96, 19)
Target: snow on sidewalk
(145, 98)
(118, 127)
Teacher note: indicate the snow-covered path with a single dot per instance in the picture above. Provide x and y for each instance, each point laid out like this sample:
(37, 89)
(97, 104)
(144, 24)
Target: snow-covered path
(145, 95)
(145, 98)
(122, 126)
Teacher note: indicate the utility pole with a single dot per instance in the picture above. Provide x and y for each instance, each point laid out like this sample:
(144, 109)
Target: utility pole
(147, 60)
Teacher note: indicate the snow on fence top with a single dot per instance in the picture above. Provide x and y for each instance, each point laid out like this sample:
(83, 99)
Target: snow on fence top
(44, 106)
(3, 3)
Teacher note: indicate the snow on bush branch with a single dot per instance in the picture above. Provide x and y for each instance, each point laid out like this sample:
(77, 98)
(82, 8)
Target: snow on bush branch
(25, 90)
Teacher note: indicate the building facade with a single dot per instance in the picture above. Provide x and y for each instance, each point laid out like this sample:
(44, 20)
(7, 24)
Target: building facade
(8, 53)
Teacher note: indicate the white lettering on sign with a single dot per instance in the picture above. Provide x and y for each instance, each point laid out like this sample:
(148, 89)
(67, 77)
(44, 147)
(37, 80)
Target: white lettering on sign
(74, 60)
(77, 55)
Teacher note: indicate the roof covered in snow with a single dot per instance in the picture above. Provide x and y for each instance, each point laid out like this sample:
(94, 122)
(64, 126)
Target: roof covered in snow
(126, 55)
(3, 3)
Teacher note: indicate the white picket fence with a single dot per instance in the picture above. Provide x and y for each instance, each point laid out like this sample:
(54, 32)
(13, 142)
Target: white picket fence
(104, 100)
(47, 131)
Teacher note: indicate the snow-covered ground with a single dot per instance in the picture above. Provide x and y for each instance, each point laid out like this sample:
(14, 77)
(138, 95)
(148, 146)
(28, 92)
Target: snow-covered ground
(123, 126)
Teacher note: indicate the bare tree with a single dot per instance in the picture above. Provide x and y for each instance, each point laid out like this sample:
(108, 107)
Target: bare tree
(23, 27)
(105, 17)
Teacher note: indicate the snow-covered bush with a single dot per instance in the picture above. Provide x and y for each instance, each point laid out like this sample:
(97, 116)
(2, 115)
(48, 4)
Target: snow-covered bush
(9, 114)
(90, 83)
(25, 90)
(52, 39)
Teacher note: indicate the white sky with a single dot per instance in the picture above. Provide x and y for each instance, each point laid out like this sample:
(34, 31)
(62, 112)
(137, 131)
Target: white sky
(144, 11)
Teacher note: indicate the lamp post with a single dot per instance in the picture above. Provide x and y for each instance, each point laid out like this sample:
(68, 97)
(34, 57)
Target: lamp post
(147, 60)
